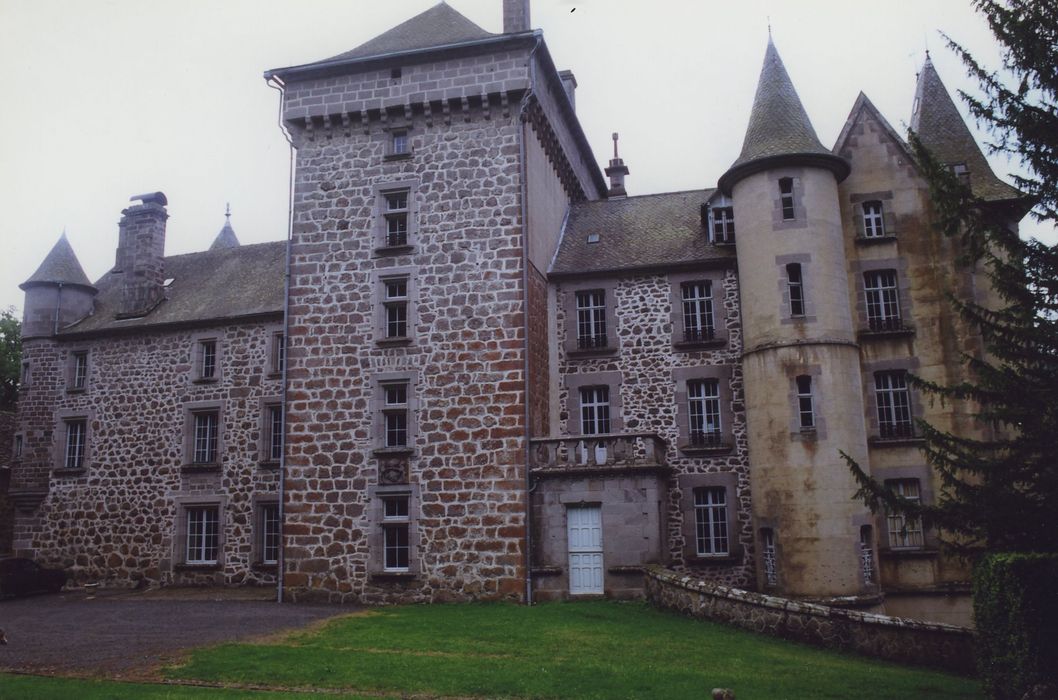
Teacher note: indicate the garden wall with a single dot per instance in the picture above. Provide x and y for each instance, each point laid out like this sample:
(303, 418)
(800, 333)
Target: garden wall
(944, 647)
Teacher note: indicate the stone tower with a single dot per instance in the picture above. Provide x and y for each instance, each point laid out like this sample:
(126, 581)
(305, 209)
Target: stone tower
(800, 362)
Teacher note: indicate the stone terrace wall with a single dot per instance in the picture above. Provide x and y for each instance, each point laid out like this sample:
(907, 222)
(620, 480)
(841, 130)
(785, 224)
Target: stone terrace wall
(939, 646)
(7, 513)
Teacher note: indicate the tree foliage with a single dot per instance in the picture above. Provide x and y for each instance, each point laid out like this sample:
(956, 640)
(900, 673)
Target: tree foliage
(1001, 491)
(10, 359)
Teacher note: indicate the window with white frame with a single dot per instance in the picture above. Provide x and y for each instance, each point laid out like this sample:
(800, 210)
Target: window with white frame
(395, 413)
(76, 437)
(905, 532)
(724, 225)
(206, 359)
(396, 525)
(893, 398)
(786, 198)
(395, 303)
(591, 319)
(206, 425)
(79, 378)
(867, 553)
(703, 411)
(883, 300)
(769, 557)
(805, 408)
(594, 410)
(203, 535)
(710, 519)
(278, 359)
(396, 217)
(796, 289)
(873, 219)
(697, 311)
(399, 143)
(274, 432)
(270, 533)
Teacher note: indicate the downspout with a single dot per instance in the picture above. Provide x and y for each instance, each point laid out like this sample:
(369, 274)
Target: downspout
(58, 306)
(277, 84)
(522, 119)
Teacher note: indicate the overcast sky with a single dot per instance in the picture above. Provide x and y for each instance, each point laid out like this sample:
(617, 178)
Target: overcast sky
(110, 98)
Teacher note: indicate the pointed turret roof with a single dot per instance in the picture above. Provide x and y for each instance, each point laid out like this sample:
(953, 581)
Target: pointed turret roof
(61, 266)
(226, 238)
(940, 127)
(779, 130)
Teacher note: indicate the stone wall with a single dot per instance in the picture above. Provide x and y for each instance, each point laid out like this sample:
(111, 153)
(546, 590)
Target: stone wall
(944, 647)
(7, 511)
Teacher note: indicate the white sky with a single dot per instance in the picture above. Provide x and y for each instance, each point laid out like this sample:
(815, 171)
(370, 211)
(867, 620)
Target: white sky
(110, 98)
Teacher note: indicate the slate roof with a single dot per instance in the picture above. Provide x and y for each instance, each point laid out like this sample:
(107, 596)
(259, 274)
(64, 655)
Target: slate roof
(226, 238)
(221, 283)
(60, 266)
(942, 129)
(656, 230)
(438, 26)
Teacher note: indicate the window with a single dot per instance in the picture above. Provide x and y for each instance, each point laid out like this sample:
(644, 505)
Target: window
(25, 374)
(697, 311)
(595, 410)
(395, 303)
(79, 378)
(395, 414)
(591, 319)
(396, 523)
(76, 434)
(805, 409)
(396, 217)
(768, 555)
(207, 359)
(710, 520)
(724, 225)
(883, 305)
(873, 221)
(905, 532)
(867, 553)
(18, 447)
(894, 404)
(203, 535)
(961, 172)
(278, 358)
(270, 533)
(796, 288)
(400, 143)
(274, 432)
(205, 437)
(786, 199)
(703, 408)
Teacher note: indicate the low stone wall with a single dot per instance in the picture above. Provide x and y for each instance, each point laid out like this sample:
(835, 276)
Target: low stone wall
(943, 647)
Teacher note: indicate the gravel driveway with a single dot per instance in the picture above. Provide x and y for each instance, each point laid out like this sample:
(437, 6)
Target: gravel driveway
(130, 633)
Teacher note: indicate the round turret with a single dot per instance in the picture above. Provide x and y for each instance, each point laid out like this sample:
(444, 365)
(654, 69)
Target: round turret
(57, 294)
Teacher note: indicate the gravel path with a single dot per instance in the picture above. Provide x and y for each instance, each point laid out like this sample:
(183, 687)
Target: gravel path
(128, 634)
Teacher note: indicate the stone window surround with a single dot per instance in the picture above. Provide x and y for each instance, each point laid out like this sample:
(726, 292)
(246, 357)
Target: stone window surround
(903, 288)
(807, 288)
(715, 277)
(378, 402)
(378, 295)
(569, 308)
(259, 501)
(18, 442)
(62, 417)
(575, 382)
(722, 373)
(760, 524)
(909, 364)
(797, 433)
(376, 541)
(190, 409)
(196, 340)
(687, 484)
(274, 333)
(800, 220)
(923, 474)
(71, 368)
(858, 521)
(390, 131)
(380, 190)
(26, 375)
(264, 426)
(857, 201)
(183, 504)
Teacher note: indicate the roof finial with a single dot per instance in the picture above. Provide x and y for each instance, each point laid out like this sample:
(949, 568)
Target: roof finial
(769, 27)
(227, 211)
(615, 145)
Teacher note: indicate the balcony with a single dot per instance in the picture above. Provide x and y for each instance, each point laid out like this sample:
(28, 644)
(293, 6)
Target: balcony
(597, 454)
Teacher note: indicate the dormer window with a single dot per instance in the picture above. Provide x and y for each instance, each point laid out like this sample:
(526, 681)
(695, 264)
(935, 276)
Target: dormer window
(873, 221)
(962, 172)
(786, 199)
(724, 225)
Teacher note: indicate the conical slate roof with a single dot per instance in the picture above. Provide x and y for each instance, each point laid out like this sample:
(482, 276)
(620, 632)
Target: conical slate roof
(940, 127)
(61, 266)
(226, 238)
(438, 26)
(779, 128)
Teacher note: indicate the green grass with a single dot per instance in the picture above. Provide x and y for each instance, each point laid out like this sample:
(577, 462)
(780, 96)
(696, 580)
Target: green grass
(39, 688)
(596, 649)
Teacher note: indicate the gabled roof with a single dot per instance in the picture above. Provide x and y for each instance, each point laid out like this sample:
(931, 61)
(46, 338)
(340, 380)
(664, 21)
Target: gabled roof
(779, 127)
(439, 26)
(226, 238)
(649, 231)
(940, 127)
(864, 104)
(215, 285)
(60, 266)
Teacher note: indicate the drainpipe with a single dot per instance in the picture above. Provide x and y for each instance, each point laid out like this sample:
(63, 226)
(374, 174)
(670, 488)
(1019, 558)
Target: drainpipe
(522, 118)
(58, 306)
(277, 84)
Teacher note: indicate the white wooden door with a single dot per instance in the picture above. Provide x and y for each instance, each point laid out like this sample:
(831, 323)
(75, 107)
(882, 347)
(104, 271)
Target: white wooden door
(584, 528)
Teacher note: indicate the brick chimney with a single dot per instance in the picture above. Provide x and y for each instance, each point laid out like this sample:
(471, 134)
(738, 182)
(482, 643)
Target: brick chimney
(141, 254)
(515, 16)
(616, 172)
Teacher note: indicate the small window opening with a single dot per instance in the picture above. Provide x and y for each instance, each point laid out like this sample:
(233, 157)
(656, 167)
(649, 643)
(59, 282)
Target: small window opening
(873, 221)
(396, 74)
(771, 564)
(867, 553)
(805, 409)
(400, 142)
(786, 197)
(593, 238)
(795, 284)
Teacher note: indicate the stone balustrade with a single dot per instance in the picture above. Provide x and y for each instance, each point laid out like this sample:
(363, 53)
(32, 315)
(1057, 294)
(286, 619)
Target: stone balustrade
(594, 453)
